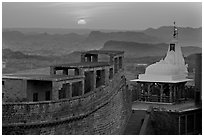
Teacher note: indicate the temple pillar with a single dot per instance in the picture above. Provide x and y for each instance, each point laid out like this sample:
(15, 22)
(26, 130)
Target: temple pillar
(179, 91)
(170, 93)
(161, 92)
(139, 91)
(183, 90)
(142, 91)
(148, 91)
(174, 87)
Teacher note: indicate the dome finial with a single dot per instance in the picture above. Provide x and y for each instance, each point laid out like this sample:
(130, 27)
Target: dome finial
(175, 31)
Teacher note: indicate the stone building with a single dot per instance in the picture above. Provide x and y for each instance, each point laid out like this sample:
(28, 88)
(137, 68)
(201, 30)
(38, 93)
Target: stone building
(163, 86)
(65, 80)
(89, 97)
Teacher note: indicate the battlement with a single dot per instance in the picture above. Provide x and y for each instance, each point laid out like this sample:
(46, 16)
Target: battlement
(65, 80)
(89, 97)
(47, 110)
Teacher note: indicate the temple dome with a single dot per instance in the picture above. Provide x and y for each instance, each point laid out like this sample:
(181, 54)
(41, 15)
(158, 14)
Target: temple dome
(162, 68)
(171, 68)
(172, 64)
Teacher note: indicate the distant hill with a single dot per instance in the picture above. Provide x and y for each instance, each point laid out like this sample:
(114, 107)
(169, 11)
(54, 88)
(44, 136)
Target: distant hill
(9, 54)
(41, 44)
(18, 61)
(187, 36)
(48, 42)
(134, 49)
(96, 39)
(123, 36)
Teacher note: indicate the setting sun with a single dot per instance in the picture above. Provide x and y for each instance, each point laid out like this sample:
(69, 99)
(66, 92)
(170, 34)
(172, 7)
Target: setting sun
(81, 21)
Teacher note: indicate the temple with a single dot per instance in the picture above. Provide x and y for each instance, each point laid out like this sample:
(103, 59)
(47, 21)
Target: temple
(164, 81)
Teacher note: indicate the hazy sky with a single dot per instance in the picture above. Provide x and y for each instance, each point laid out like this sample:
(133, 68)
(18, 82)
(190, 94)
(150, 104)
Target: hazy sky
(125, 16)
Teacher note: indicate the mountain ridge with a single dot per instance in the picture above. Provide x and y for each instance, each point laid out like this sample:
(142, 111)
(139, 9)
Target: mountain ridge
(58, 44)
(133, 49)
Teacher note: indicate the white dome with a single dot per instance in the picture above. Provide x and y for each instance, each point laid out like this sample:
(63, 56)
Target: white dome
(162, 69)
(171, 68)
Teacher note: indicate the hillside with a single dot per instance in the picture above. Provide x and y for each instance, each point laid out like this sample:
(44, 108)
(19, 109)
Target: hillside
(47, 42)
(41, 44)
(123, 36)
(133, 49)
(187, 36)
(18, 61)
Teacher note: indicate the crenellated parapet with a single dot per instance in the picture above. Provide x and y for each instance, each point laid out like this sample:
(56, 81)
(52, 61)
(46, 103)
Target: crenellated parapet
(29, 114)
(89, 97)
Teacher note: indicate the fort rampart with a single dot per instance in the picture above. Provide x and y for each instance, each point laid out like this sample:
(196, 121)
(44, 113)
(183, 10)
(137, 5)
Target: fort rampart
(102, 111)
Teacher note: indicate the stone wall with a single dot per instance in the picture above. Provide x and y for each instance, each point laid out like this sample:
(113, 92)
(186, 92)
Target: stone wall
(103, 111)
(15, 94)
(173, 123)
(198, 79)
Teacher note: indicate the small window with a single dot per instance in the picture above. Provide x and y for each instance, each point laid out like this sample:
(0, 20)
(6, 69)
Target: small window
(35, 97)
(172, 47)
(3, 82)
(120, 62)
(110, 73)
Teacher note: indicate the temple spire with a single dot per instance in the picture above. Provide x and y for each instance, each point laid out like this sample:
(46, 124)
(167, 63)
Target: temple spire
(175, 35)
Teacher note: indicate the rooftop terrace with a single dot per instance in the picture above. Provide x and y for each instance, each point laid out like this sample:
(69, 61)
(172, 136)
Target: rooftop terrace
(107, 52)
(82, 65)
(181, 107)
(41, 77)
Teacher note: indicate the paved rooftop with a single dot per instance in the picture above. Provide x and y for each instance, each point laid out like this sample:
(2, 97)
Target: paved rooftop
(162, 81)
(83, 65)
(107, 52)
(181, 107)
(40, 77)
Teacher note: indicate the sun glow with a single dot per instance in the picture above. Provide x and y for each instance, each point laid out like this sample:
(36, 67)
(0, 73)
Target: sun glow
(81, 21)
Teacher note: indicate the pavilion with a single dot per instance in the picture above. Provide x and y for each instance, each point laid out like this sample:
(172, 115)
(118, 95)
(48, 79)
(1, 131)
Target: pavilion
(164, 81)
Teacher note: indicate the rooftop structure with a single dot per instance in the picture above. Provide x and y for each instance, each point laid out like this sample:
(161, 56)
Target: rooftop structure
(40, 77)
(89, 97)
(164, 81)
(64, 80)
(171, 69)
(106, 52)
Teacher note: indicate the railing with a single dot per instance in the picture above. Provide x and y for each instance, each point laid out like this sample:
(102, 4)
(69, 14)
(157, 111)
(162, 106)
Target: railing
(39, 112)
(155, 98)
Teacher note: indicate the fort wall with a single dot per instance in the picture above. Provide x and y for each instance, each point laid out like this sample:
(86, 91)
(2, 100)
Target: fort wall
(102, 111)
(17, 93)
